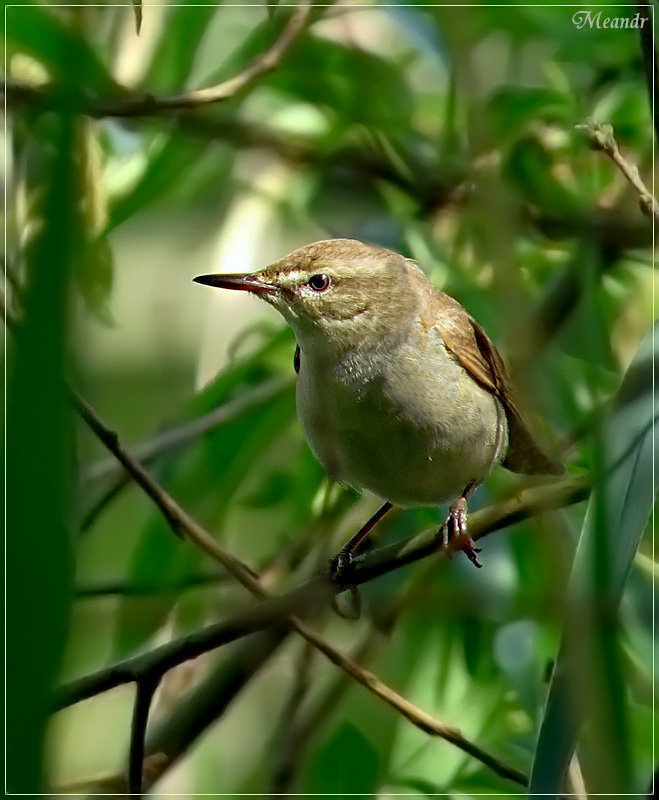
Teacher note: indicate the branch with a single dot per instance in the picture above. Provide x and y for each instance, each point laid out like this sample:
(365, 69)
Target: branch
(180, 522)
(311, 595)
(601, 137)
(180, 435)
(390, 558)
(143, 696)
(174, 733)
(174, 438)
(278, 610)
(260, 616)
(147, 105)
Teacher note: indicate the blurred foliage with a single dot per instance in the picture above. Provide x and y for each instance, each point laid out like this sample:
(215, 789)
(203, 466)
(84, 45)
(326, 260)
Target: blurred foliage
(447, 133)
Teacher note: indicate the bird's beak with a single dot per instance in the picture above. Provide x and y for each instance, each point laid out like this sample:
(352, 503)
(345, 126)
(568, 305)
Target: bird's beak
(246, 283)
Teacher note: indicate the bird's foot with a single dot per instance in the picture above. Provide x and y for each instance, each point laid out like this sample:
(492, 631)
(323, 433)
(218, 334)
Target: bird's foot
(341, 572)
(454, 533)
(342, 566)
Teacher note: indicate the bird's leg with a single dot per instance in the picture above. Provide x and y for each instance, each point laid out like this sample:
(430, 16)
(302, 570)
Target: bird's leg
(342, 562)
(454, 533)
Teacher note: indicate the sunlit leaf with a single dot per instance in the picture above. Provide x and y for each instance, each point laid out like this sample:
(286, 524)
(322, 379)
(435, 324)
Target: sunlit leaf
(37, 31)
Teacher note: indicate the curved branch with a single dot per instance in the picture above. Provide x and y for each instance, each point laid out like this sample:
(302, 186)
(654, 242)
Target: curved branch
(147, 105)
(263, 615)
(389, 558)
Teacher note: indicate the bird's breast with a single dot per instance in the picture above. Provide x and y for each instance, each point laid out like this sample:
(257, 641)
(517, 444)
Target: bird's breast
(409, 425)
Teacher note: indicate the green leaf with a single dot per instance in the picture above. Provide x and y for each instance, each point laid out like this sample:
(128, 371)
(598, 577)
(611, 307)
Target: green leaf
(204, 481)
(513, 107)
(323, 73)
(167, 162)
(586, 689)
(530, 169)
(94, 277)
(36, 31)
(38, 544)
(175, 55)
(348, 764)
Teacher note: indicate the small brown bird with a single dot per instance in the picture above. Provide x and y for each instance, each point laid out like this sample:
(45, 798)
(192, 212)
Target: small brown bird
(400, 391)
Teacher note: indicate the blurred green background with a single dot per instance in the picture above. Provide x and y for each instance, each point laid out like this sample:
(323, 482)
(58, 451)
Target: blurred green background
(448, 134)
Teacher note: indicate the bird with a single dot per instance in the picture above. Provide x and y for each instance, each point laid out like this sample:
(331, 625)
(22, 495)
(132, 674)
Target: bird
(399, 390)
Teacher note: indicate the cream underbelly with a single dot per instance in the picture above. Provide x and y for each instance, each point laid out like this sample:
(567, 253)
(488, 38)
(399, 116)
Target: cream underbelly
(423, 449)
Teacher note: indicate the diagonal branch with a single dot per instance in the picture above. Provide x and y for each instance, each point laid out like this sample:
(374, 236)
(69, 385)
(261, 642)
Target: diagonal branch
(182, 523)
(178, 519)
(601, 137)
(305, 599)
(196, 98)
(174, 438)
(180, 435)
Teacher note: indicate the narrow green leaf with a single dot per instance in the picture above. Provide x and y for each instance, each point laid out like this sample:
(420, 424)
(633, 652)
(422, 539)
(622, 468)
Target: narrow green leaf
(587, 689)
(174, 57)
(38, 554)
(137, 9)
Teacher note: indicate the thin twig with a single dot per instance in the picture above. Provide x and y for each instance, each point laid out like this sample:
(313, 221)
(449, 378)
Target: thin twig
(171, 736)
(296, 737)
(143, 696)
(260, 616)
(601, 136)
(178, 519)
(147, 105)
(412, 713)
(183, 524)
(308, 597)
(377, 563)
(88, 591)
(174, 438)
(180, 435)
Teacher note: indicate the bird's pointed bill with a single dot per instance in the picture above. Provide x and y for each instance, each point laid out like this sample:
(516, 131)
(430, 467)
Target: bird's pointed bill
(245, 283)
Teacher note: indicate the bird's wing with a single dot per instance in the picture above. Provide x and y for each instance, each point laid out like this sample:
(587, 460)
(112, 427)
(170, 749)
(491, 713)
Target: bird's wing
(472, 347)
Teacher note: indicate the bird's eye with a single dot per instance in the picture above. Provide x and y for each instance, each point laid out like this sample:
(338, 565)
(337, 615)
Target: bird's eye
(320, 282)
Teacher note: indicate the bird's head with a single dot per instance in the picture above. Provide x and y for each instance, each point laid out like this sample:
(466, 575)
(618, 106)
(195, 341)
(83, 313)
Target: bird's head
(335, 293)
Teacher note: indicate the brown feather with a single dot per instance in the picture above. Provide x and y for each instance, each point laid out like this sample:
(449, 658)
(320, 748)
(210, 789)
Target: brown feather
(472, 347)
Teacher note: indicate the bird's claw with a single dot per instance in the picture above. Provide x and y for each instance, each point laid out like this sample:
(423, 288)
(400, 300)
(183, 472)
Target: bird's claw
(454, 533)
(342, 566)
(341, 571)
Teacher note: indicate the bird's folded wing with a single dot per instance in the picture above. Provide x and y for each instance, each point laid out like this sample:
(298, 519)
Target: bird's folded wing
(472, 347)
